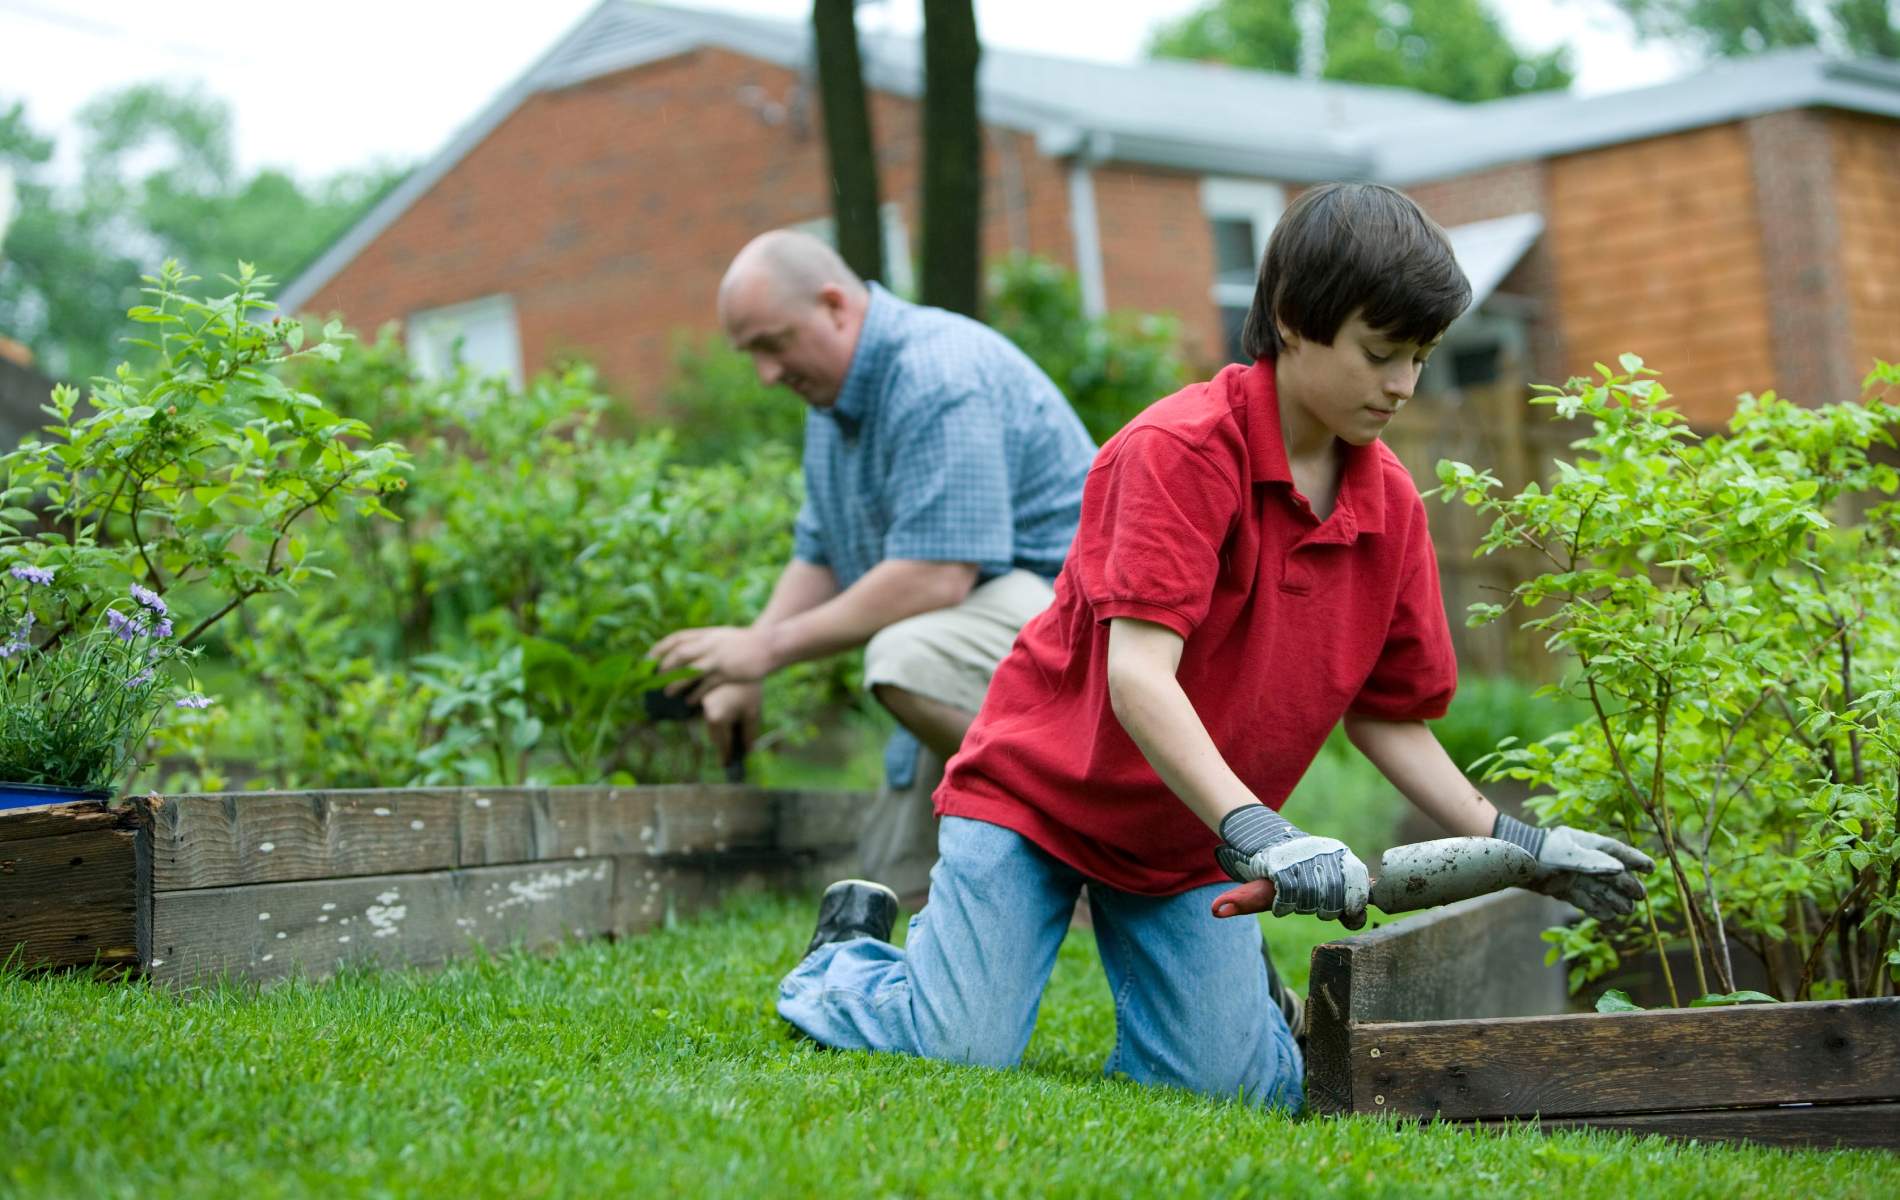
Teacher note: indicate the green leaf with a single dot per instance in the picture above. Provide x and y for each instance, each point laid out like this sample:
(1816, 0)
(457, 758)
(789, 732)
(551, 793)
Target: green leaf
(1617, 1000)
(1713, 1000)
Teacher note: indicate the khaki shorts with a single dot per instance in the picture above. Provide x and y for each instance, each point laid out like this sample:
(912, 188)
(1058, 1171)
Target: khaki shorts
(948, 656)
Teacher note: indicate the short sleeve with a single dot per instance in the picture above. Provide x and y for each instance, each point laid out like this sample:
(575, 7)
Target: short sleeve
(1417, 670)
(808, 540)
(949, 493)
(1155, 514)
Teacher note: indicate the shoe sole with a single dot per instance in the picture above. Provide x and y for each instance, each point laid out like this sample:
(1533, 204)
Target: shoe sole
(870, 883)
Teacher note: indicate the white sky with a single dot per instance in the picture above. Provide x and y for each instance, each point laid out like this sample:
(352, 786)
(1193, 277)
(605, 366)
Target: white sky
(348, 82)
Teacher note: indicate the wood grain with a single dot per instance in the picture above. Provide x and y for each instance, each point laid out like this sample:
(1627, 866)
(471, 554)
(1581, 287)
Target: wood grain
(311, 927)
(1588, 1064)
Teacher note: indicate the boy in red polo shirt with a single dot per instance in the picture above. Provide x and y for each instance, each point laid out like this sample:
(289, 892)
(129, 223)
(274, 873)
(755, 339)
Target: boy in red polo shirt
(1252, 567)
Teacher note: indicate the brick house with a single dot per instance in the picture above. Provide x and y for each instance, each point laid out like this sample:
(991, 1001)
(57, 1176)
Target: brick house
(1740, 228)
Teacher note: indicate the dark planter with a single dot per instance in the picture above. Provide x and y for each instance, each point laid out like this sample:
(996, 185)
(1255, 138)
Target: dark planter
(33, 795)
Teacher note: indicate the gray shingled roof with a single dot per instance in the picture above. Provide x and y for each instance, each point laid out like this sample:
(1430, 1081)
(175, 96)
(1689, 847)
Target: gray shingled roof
(1185, 116)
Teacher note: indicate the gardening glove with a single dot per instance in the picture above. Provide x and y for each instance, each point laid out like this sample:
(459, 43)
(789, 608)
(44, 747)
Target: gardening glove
(1589, 870)
(1316, 875)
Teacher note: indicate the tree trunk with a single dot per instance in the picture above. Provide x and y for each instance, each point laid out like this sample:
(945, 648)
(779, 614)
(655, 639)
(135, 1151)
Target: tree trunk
(848, 143)
(953, 159)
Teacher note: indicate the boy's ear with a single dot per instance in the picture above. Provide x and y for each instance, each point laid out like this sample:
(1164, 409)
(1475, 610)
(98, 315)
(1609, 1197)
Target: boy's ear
(1288, 339)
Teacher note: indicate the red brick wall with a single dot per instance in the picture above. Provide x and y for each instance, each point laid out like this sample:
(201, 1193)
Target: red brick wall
(1801, 256)
(1158, 253)
(609, 210)
(1867, 197)
(1657, 249)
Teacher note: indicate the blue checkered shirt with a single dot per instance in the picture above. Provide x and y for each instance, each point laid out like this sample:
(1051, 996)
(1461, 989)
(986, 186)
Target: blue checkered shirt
(946, 444)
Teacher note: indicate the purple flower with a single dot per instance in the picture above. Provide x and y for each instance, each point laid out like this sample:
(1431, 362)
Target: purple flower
(125, 627)
(149, 599)
(141, 679)
(193, 701)
(163, 629)
(32, 574)
(20, 639)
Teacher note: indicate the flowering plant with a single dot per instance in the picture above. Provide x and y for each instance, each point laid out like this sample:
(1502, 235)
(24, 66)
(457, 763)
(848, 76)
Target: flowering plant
(75, 708)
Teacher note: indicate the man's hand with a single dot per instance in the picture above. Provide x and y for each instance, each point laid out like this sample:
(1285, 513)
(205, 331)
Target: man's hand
(1316, 875)
(722, 654)
(1589, 870)
(730, 708)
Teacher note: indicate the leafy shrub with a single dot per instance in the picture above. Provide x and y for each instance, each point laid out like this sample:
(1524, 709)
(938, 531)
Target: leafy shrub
(1109, 367)
(497, 632)
(718, 410)
(1733, 607)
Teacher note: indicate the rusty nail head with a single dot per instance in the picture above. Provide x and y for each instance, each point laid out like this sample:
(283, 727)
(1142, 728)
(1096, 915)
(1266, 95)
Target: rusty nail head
(1378, 1099)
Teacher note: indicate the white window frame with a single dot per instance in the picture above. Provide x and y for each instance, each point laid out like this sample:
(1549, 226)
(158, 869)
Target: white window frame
(1249, 200)
(431, 336)
(900, 276)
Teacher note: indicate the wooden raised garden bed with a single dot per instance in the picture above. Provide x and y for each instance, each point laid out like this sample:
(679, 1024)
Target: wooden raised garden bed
(263, 885)
(1451, 1015)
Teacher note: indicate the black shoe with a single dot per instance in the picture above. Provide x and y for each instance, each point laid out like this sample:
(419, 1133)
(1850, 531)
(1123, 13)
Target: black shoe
(1287, 1000)
(854, 908)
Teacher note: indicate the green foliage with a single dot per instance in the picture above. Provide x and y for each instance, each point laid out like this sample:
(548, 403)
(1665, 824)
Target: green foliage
(717, 408)
(654, 1066)
(1490, 709)
(73, 712)
(1734, 28)
(195, 473)
(1452, 48)
(157, 178)
(497, 633)
(1110, 367)
(1733, 608)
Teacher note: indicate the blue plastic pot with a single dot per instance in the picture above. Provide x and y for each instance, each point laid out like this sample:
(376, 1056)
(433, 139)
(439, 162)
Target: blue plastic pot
(33, 795)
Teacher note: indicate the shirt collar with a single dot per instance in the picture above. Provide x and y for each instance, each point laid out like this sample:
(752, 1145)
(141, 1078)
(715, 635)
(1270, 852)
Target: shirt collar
(1360, 505)
(877, 347)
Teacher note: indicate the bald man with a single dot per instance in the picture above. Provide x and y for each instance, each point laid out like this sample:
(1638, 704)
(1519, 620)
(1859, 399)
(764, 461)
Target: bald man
(943, 481)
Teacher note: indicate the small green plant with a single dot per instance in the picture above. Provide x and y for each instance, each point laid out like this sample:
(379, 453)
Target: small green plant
(73, 716)
(195, 469)
(1732, 604)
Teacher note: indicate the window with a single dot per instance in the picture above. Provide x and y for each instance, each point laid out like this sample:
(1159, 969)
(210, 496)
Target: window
(900, 274)
(1241, 214)
(481, 333)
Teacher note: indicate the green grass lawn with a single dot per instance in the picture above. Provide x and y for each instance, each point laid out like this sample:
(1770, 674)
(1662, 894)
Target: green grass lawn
(656, 1067)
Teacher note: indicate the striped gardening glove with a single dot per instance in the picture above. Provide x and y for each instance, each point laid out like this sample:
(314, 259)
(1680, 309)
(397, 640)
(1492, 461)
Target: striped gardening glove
(1316, 875)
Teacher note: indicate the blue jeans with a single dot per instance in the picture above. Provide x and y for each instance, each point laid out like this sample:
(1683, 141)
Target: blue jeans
(1192, 1005)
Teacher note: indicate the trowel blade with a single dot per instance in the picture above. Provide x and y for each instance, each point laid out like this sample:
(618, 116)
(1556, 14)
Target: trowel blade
(1426, 874)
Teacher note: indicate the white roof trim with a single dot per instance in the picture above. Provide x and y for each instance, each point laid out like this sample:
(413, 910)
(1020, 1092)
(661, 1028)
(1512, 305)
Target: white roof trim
(1488, 250)
(1357, 132)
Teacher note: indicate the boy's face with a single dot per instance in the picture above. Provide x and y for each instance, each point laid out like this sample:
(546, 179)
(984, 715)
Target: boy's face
(1354, 387)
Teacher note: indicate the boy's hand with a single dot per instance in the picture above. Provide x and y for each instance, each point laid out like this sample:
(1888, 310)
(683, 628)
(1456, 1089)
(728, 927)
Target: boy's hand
(1316, 875)
(1589, 870)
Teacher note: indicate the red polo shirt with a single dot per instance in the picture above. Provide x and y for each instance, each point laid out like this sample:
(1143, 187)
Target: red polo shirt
(1190, 520)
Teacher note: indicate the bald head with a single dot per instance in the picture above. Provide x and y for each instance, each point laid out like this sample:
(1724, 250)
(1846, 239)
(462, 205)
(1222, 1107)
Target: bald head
(795, 266)
(792, 303)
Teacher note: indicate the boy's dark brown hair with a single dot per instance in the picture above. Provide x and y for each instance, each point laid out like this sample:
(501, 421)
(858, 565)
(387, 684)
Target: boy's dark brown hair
(1351, 246)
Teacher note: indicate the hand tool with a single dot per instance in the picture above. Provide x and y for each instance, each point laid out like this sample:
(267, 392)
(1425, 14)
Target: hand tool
(1416, 875)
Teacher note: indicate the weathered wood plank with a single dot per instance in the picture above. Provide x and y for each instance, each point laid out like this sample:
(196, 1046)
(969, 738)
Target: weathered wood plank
(264, 931)
(1589, 1064)
(1478, 958)
(827, 822)
(71, 900)
(18, 824)
(269, 837)
(230, 840)
(1820, 1126)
